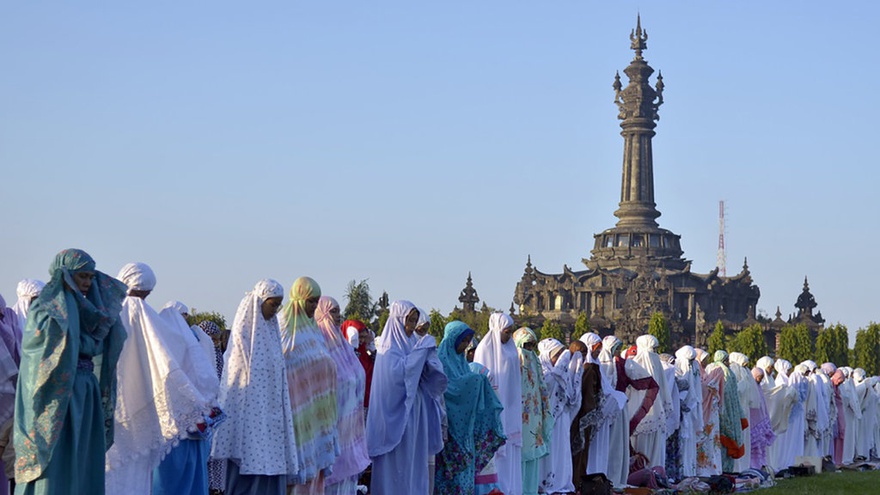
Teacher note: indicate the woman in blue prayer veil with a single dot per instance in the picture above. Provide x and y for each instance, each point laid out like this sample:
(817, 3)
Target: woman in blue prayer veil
(473, 412)
(63, 411)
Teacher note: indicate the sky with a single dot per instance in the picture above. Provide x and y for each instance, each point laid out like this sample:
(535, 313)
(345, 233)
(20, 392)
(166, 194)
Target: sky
(409, 143)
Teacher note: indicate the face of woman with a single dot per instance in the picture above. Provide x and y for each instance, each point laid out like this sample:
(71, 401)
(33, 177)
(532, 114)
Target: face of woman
(464, 344)
(505, 334)
(530, 346)
(423, 330)
(470, 355)
(311, 306)
(412, 319)
(364, 337)
(270, 307)
(336, 315)
(83, 281)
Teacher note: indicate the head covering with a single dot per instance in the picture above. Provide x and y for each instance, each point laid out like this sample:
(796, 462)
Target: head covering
(720, 356)
(424, 319)
(350, 388)
(765, 363)
(537, 418)
(590, 339)
(26, 290)
(45, 385)
(702, 355)
(829, 368)
(859, 375)
(177, 306)
(472, 408)
(782, 366)
(311, 378)
(351, 330)
(811, 365)
(210, 328)
(137, 276)
(739, 358)
(610, 348)
(502, 360)
(758, 374)
(549, 348)
(261, 439)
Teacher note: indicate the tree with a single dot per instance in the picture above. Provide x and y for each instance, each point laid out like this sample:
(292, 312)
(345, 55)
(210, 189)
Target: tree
(866, 352)
(380, 322)
(360, 305)
(750, 341)
(551, 330)
(438, 324)
(795, 344)
(659, 328)
(832, 345)
(717, 340)
(581, 326)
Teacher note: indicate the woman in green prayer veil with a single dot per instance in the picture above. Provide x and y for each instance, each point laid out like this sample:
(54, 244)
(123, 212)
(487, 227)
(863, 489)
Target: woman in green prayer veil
(63, 405)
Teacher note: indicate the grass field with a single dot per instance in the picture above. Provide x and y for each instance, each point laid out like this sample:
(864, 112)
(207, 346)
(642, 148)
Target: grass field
(845, 482)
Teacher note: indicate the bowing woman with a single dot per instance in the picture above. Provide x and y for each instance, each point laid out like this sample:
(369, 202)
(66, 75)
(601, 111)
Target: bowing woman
(403, 422)
(63, 411)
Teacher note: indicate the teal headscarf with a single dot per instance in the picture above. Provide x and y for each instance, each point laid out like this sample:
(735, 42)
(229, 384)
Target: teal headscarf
(473, 412)
(62, 326)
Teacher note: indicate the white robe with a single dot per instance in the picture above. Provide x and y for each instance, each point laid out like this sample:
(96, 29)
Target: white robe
(650, 436)
(157, 399)
(563, 382)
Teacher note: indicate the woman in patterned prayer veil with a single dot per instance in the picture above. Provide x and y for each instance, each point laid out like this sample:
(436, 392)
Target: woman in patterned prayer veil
(537, 418)
(64, 407)
(473, 412)
(311, 381)
(257, 442)
(350, 387)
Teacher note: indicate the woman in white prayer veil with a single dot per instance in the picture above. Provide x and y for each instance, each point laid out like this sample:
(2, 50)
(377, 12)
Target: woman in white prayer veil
(562, 374)
(766, 365)
(649, 438)
(185, 469)
(618, 448)
(748, 400)
(785, 402)
(157, 404)
(816, 410)
(852, 409)
(257, 443)
(27, 290)
(865, 394)
(692, 408)
(497, 352)
(611, 402)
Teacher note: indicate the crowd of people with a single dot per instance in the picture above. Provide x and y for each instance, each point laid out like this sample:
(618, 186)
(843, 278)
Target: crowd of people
(102, 393)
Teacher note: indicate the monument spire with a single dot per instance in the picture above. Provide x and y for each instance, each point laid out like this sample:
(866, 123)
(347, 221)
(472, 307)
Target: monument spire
(638, 103)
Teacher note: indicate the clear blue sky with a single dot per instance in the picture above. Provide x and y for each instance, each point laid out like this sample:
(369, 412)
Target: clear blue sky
(411, 142)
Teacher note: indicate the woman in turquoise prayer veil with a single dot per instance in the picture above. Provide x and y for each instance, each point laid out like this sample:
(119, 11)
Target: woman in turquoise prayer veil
(63, 406)
(473, 412)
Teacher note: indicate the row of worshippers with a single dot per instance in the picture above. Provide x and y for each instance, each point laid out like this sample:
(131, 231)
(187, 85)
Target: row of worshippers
(95, 367)
(111, 396)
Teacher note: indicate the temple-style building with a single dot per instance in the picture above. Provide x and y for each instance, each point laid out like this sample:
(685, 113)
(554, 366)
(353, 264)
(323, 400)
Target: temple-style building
(637, 268)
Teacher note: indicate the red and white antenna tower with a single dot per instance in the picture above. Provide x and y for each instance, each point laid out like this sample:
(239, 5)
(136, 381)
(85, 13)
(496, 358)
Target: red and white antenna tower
(722, 255)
